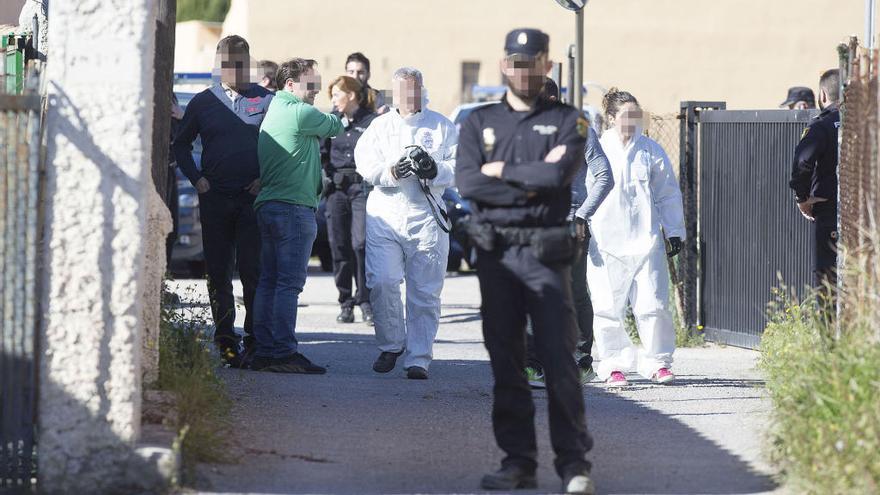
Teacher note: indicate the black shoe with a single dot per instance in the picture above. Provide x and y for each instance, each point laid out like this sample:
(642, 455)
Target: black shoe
(367, 314)
(509, 478)
(578, 482)
(296, 363)
(247, 357)
(416, 373)
(231, 356)
(346, 315)
(386, 361)
(259, 363)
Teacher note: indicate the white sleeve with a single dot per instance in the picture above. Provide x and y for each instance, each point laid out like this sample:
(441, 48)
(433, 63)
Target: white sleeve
(666, 194)
(446, 157)
(370, 160)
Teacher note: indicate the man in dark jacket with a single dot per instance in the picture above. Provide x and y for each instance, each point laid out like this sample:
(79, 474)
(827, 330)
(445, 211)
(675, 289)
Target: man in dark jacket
(227, 118)
(814, 177)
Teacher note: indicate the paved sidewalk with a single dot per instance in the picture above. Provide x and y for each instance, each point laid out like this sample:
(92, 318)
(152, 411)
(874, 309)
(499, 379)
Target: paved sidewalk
(353, 431)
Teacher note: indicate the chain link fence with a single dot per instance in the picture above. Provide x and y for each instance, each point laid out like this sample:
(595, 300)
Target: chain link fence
(859, 182)
(666, 129)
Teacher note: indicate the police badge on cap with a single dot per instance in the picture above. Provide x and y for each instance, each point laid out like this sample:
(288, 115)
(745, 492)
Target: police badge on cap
(526, 41)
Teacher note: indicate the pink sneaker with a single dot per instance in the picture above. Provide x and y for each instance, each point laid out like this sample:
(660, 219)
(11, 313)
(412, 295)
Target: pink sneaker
(617, 379)
(663, 376)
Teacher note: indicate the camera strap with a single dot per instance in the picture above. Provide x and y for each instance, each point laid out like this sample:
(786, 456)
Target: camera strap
(444, 224)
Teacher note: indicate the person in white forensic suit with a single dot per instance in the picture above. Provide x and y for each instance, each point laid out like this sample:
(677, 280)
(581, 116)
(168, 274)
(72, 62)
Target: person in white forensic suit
(408, 155)
(628, 251)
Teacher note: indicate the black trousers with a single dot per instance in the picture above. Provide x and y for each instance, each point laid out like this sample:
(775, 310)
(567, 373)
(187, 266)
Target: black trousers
(583, 308)
(230, 238)
(825, 261)
(346, 214)
(515, 285)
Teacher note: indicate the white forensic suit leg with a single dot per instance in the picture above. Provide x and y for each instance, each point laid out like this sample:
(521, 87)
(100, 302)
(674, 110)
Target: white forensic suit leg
(610, 279)
(649, 297)
(426, 258)
(384, 270)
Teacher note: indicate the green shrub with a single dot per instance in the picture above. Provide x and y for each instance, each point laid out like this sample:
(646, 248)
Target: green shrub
(202, 10)
(826, 397)
(187, 368)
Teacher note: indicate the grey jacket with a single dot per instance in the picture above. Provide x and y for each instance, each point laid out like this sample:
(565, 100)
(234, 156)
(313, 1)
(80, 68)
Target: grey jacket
(585, 201)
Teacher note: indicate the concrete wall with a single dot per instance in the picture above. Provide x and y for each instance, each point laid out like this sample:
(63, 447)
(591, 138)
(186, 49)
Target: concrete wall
(99, 140)
(747, 52)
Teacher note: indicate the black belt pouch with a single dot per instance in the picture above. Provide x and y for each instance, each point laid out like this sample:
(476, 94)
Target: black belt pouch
(555, 245)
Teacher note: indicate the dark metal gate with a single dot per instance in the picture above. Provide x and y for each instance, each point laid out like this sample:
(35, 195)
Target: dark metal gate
(750, 235)
(20, 192)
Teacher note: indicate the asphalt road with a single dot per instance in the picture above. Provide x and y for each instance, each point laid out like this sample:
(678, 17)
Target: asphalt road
(353, 431)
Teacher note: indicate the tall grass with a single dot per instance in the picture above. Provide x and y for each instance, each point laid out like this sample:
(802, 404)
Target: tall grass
(187, 368)
(823, 376)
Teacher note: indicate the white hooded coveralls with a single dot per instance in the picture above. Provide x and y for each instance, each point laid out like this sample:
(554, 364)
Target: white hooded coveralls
(628, 257)
(404, 241)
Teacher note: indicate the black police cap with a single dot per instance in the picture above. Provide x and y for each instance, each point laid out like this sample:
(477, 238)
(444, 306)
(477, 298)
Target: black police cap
(799, 93)
(526, 41)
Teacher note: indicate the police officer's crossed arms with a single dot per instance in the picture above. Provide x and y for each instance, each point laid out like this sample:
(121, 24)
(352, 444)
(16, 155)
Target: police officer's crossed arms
(814, 175)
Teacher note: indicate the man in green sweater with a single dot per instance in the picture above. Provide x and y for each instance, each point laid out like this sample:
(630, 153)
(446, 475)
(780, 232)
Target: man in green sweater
(290, 176)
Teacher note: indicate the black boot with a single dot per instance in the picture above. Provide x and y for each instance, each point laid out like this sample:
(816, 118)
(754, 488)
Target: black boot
(509, 478)
(346, 315)
(416, 373)
(386, 361)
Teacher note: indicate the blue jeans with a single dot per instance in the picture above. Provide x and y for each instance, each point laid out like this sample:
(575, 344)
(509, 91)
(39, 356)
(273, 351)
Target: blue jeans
(287, 232)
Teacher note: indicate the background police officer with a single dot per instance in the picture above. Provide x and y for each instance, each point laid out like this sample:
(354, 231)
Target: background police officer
(346, 195)
(515, 163)
(799, 98)
(814, 177)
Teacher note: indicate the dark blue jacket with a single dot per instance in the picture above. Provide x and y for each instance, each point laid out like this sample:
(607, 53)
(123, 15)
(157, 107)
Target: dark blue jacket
(229, 133)
(530, 192)
(814, 171)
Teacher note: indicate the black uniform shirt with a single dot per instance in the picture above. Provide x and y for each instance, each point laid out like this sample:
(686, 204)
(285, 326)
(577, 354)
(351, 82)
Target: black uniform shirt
(337, 153)
(814, 171)
(531, 192)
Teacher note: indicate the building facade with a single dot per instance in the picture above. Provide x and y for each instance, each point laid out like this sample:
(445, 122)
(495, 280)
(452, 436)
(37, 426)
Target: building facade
(745, 52)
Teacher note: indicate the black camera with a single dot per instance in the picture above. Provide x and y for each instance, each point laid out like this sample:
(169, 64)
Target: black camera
(421, 163)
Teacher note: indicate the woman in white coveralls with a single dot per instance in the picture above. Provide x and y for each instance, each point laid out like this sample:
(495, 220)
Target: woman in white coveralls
(628, 249)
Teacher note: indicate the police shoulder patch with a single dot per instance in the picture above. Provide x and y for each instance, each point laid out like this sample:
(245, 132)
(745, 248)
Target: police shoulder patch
(583, 126)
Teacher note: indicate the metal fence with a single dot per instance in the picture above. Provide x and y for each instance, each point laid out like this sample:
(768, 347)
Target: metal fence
(859, 184)
(751, 236)
(20, 219)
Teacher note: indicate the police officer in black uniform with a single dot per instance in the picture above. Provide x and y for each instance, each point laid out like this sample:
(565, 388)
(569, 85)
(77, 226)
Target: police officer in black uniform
(346, 193)
(515, 164)
(814, 178)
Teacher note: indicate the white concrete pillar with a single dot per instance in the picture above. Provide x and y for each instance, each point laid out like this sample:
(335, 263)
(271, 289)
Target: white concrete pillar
(100, 75)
